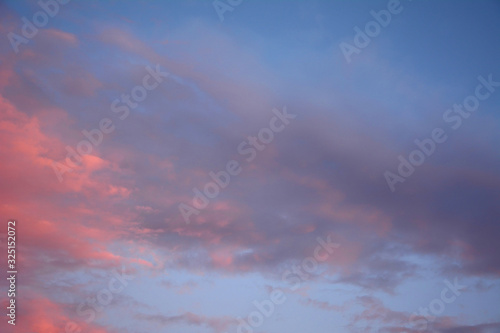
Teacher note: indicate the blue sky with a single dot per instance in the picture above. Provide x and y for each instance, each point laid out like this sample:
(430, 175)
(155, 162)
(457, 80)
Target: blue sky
(129, 202)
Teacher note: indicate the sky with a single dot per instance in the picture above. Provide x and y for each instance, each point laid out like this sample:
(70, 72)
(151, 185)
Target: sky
(242, 166)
